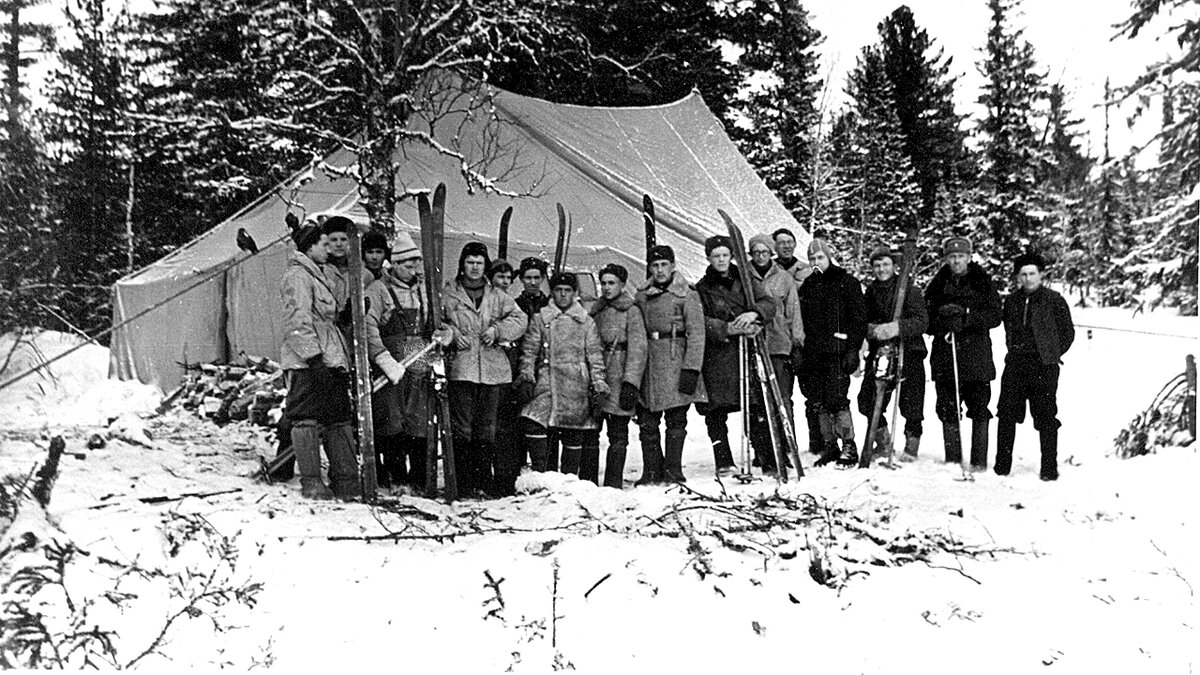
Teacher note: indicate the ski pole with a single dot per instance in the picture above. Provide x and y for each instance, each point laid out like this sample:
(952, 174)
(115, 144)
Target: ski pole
(962, 455)
(744, 400)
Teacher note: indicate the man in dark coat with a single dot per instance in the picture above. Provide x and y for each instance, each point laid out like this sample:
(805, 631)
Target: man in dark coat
(726, 316)
(963, 308)
(675, 342)
(1038, 331)
(835, 325)
(881, 328)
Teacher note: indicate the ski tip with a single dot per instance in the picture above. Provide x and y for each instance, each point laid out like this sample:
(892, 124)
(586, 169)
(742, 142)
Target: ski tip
(439, 193)
(648, 204)
(507, 216)
(725, 217)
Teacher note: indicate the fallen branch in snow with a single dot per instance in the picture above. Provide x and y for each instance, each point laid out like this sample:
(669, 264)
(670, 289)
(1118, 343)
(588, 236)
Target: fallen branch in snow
(163, 499)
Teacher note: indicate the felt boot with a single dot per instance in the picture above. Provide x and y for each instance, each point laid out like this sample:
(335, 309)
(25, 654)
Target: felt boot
(306, 440)
(652, 458)
(614, 465)
(343, 462)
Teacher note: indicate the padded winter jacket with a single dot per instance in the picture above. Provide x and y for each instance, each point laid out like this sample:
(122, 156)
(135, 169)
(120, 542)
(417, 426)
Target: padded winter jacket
(976, 293)
(561, 354)
(479, 363)
(914, 319)
(786, 329)
(723, 300)
(834, 312)
(310, 311)
(623, 339)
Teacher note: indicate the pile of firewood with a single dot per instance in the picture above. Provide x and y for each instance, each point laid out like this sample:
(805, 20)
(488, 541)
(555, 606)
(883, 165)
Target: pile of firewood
(252, 389)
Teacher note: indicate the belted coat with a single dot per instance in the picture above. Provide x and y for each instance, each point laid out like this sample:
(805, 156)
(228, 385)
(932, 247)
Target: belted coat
(623, 339)
(675, 342)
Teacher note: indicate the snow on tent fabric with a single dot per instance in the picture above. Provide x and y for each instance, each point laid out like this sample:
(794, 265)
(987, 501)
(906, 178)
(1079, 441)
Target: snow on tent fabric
(597, 162)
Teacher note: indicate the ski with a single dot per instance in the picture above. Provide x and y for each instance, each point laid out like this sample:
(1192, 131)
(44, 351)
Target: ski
(889, 355)
(502, 244)
(560, 246)
(362, 370)
(783, 435)
(650, 225)
(433, 233)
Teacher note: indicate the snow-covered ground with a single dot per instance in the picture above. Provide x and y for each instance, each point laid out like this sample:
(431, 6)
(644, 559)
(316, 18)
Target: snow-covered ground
(1094, 573)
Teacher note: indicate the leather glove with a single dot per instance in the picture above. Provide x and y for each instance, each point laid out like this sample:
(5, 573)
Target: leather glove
(850, 363)
(629, 396)
(797, 359)
(317, 365)
(390, 367)
(596, 399)
(687, 381)
(524, 392)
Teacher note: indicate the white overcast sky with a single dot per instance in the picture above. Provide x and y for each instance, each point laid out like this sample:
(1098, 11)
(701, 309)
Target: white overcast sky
(1071, 39)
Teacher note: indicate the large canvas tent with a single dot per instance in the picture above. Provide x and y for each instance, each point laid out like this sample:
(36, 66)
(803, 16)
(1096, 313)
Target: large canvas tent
(597, 162)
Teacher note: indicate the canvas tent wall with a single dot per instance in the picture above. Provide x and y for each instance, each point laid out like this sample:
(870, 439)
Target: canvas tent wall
(597, 162)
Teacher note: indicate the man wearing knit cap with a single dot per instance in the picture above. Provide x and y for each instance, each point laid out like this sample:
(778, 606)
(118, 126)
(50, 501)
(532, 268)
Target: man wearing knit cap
(674, 321)
(785, 340)
(834, 316)
(481, 319)
(397, 325)
(316, 360)
(910, 329)
(963, 307)
(726, 316)
(1038, 331)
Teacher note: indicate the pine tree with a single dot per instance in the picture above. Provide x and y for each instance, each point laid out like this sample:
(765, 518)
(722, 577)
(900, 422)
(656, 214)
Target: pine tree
(91, 99)
(783, 142)
(924, 100)
(886, 194)
(1013, 89)
(1165, 253)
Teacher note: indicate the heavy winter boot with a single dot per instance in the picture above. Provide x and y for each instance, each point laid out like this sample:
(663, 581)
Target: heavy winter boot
(464, 466)
(343, 462)
(414, 448)
(589, 461)
(829, 452)
(306, 439)
(849, 454)
(911, 445)
(1049, 439)
(571, 453)
(722, 458)
(652, 458)
(1006, 437)
(538, 444)
(816, 443)
(883, 440)
(979, 444)
(286, 470)
(614, 465)
(673, 460)
(953, 440)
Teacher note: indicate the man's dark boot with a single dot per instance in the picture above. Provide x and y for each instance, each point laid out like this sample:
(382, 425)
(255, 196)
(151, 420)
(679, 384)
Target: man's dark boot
(343, 463)
(464, 466)
(673, 459)
(1006, 437)
(306, 439)
(589, 461)
(849, 454)
(816, 444)
(614, 465)
(979, 444)
(539, 450)
(722, 457)
(652, 458)
(1049, 438)
(953, 440)
(413, 447)
(829, 452)
(571, 455)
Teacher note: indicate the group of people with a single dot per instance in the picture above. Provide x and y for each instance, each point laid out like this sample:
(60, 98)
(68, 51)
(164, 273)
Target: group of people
(533, 378)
